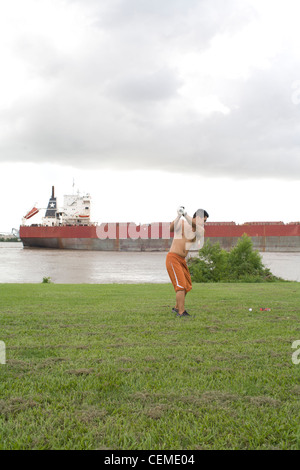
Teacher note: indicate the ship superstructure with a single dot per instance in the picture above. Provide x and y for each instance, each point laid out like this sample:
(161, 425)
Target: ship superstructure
(75, 211)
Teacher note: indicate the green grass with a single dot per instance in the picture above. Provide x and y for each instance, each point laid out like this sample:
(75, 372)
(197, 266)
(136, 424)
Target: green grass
(110, 367)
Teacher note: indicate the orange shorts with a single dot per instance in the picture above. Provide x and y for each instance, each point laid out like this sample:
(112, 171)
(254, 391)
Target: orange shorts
(178, 272)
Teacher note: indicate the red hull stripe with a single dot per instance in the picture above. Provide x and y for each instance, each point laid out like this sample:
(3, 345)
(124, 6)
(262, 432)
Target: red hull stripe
(90, 231)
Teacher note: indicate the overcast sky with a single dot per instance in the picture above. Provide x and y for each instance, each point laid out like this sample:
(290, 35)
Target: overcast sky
(150, 104)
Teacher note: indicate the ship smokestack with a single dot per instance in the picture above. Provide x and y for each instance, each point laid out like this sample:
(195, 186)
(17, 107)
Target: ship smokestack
(51, 209)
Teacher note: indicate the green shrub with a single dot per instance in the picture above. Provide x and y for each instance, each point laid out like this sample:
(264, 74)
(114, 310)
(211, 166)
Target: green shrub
(212, 264)
(241, 264)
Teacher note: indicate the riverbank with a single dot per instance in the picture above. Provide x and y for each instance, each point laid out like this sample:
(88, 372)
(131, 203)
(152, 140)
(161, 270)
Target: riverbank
(111, 367)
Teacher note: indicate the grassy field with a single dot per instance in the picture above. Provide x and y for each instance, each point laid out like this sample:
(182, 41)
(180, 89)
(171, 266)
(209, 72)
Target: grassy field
(111, 367)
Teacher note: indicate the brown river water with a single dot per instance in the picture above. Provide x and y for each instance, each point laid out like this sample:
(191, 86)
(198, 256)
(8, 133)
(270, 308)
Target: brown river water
(31, 265)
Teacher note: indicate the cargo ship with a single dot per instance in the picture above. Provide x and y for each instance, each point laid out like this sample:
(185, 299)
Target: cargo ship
(71, 228)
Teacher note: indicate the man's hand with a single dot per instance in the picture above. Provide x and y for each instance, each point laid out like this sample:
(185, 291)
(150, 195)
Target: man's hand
(181, 211)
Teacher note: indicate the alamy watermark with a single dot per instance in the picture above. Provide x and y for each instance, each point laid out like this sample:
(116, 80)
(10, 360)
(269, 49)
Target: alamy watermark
(154, 231)
(2, 353)
(124, 231)
(193, 229)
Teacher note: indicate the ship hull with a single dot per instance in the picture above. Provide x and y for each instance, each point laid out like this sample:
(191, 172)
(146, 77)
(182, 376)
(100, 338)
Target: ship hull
(265, 238)
(93, 244)
(263, 244)
(91, 238)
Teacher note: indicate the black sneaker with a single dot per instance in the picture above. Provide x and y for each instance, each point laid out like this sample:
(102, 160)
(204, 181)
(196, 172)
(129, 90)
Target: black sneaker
(184, 314)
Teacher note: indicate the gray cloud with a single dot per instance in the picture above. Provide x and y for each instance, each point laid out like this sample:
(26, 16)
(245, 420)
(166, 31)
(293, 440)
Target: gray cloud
(117, 101)
(152, 86)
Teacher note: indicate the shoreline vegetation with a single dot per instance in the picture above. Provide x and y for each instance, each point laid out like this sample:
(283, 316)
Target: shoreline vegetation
(241, 264)
(110, 367)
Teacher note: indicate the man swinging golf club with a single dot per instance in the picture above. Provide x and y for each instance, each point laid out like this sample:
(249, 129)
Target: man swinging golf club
(187, 231)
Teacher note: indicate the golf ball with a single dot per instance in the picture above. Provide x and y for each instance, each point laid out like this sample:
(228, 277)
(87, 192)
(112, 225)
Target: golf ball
(250, 309)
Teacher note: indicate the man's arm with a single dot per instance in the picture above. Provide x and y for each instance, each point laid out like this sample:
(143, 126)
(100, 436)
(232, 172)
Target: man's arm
(189, 219)
(175, 224)
(197, 224)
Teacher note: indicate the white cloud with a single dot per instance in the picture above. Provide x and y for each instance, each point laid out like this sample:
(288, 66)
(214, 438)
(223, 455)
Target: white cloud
(200, 87)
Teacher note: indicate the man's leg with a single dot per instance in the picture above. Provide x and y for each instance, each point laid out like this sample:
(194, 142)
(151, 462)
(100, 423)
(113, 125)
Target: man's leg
(176, 306)
(180, 299)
